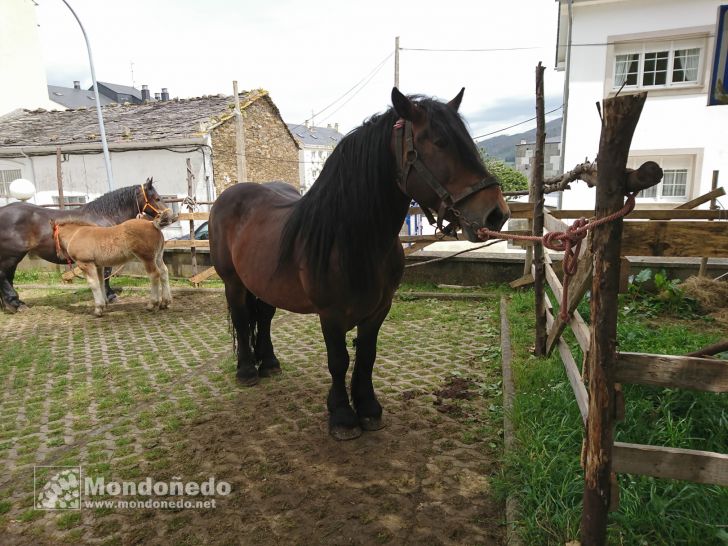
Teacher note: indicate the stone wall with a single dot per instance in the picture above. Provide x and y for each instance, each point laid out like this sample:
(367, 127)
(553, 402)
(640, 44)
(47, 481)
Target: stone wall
(270, 150)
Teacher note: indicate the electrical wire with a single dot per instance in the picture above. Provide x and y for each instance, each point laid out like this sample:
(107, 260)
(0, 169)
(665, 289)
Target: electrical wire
(369, 75)
(517, 124)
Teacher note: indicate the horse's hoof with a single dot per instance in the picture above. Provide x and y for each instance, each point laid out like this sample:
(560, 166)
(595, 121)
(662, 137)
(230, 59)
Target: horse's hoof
(248, 380)
(372, 423)
(23, 307)
(268, 371)
(11, 309)
(342, 433)
(98, 313)
(111, 298)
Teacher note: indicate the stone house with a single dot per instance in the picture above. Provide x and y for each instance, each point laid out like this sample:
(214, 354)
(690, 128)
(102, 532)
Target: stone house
(150, 139)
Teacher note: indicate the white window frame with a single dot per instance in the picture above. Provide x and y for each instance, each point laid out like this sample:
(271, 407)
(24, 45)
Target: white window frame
(665, 40)
(646, 48)
(672, 162)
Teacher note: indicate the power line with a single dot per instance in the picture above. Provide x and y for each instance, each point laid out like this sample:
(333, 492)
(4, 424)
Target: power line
(471, 50)
(517, 124)
(370, 73)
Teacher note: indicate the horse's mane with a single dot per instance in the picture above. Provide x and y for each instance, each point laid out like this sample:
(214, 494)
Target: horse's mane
(109, 204)
(355, 203)
(352, 204)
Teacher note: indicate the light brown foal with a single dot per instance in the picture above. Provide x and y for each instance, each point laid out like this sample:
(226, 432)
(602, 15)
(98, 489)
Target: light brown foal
(94, 247)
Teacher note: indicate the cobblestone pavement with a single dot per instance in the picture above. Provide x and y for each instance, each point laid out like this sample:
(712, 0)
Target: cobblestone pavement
(137, 394)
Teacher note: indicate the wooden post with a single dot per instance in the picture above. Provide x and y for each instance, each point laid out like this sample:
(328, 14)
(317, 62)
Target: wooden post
(621, 115)
(396, 62)
(59, 179)
(190, 208)
(537, 199)
(239, 138)
(713, 206)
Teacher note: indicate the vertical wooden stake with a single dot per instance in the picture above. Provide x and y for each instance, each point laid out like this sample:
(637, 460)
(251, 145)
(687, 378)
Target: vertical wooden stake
(59, 179)
(620, 117)
(538, 204)
(190, 208)
(713, 206)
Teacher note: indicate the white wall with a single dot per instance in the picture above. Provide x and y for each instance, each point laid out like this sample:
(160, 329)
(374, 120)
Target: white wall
(86, 174)
(22, 71)
(674, 121)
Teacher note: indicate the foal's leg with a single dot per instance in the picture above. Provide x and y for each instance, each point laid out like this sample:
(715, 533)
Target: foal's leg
(164, 274)
(269, 364)
(243, 322)
(94, 282)
(362, 391)
(343, 422)
(154, 278)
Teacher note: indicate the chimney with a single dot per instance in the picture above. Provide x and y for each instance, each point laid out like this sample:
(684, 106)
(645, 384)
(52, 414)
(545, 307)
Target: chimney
(157, 96)
(76, 84)
(165, 94)
(146, 95)
(336, 127)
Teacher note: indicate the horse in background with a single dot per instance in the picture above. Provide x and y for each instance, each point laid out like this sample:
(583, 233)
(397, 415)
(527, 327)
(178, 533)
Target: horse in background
(93, 247)
(336, 251)
(26, 228)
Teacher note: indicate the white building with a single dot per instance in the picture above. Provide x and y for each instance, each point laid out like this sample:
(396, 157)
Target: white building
(665, 47)
(316, 145)
(21, 61)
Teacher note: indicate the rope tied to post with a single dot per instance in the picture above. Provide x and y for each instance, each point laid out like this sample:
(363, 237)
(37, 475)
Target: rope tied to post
(568, 242)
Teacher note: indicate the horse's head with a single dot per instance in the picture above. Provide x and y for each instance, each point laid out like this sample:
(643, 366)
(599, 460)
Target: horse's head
(149, 202)
(440, 166)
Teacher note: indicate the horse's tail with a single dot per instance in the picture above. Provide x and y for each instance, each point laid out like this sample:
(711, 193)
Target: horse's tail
(164, 219)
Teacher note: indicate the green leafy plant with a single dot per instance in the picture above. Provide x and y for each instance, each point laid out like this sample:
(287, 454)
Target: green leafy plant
(657, 294)
(510, 178)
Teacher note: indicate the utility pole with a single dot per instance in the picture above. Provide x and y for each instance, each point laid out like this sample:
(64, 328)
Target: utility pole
(239, 138)
(396, 62)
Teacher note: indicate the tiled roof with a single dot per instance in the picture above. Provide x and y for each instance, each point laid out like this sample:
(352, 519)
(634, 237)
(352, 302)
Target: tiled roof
(121, 89)
(71, 97)
(315, 136)
(151, 121)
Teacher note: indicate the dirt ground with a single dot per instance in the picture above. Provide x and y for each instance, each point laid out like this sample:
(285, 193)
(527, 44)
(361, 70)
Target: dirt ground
(137, 394)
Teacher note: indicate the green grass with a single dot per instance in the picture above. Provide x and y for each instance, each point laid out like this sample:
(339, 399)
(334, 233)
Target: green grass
(543, 473)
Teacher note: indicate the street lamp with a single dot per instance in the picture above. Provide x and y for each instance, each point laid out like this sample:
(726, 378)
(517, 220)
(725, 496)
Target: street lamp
(102, 130)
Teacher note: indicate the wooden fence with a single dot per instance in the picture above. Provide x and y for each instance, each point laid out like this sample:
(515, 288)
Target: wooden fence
(597, 386)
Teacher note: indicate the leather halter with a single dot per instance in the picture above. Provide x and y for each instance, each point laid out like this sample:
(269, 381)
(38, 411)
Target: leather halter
(408, 158)
(143, 210)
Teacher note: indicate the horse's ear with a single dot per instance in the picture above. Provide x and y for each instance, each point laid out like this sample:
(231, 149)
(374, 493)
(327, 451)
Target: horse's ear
(455, 103)
(148, 183)
(404, 107)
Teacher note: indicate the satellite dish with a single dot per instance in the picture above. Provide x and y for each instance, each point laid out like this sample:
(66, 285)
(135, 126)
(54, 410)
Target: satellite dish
(22, 189)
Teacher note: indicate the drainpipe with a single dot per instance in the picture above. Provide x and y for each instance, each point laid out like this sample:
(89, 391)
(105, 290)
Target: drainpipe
(565, 116)
(102, 130)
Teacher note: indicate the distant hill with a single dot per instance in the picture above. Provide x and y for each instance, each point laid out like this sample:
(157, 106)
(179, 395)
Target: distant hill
(503, 147)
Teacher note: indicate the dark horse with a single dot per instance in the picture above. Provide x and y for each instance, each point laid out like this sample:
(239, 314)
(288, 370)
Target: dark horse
(26, 228)
(336, 252)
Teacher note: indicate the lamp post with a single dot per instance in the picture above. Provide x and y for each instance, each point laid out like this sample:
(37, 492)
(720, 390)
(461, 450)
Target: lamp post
(102, 130)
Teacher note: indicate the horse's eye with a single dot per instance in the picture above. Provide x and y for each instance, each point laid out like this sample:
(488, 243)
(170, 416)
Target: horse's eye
(440, 142)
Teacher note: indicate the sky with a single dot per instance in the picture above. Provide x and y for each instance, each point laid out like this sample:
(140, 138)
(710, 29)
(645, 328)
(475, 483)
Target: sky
(333, 60)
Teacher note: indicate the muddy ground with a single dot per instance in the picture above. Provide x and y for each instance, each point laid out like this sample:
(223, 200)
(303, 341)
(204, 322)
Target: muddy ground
(137, 394)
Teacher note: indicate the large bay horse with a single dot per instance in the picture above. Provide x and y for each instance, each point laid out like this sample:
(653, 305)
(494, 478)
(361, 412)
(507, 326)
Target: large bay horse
(336, 252)
(91, 247)
(26, 228)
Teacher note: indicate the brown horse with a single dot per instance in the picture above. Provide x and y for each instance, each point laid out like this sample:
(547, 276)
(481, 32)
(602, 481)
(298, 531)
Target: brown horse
(26, 228)
(93, 247)
(336, 252)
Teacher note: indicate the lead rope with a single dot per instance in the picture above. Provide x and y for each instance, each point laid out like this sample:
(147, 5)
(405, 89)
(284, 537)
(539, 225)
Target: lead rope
(568, 242)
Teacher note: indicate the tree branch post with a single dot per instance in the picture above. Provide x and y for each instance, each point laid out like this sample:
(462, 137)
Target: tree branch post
(537, 199)
(619, 120)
